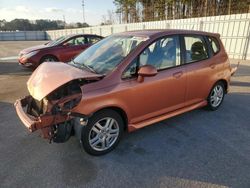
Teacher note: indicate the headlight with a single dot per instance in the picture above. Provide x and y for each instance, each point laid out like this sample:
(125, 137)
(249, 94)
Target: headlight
(28, 55)
(20, 54)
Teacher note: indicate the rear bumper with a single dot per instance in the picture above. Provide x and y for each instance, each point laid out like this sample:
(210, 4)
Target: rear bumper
(233, 70)
(43, 122)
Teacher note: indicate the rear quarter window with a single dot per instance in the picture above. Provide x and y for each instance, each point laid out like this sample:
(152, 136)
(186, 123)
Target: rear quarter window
(214, 44)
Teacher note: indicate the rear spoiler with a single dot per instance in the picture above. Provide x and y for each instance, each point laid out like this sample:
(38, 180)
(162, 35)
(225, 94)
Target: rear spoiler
(233, 70)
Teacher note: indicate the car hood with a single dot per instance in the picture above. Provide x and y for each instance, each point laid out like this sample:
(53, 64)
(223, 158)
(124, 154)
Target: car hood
(51, 75)
(33, 48)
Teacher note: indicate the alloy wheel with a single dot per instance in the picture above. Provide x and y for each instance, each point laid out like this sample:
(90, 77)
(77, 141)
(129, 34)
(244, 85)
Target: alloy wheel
(103, 134)
(217, 95)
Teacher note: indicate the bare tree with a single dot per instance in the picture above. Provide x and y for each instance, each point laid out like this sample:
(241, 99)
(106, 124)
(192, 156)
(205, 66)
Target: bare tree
(150, 10)
(109, 18)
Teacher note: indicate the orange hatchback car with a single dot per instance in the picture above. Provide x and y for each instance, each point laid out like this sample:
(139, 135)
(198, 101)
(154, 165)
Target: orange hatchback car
(125, 82)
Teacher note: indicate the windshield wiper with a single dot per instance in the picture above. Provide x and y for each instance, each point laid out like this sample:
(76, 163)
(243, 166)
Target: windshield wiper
(72, 60)
(89, 67)
(83, 65)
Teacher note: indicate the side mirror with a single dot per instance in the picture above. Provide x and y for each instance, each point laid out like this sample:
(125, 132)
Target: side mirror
(146, 71)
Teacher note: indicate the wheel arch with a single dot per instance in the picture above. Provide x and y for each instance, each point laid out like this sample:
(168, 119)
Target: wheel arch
(119, 110)
(48, 55)
(225, 83)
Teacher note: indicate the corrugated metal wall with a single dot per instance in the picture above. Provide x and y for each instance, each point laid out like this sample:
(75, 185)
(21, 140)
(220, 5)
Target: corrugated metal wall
(234, 30)
(22, 35)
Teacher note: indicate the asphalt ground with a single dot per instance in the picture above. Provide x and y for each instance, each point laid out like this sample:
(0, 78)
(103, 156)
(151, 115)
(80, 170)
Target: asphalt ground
(195, 149)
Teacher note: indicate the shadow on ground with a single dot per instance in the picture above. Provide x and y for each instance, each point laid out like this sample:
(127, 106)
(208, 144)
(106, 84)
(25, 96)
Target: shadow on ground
(12, 67)
(243, 70)
(203, 146)
(240, 84)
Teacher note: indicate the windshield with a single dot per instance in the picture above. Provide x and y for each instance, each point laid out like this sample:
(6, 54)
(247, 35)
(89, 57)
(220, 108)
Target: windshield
(56, 41)
(105, 55)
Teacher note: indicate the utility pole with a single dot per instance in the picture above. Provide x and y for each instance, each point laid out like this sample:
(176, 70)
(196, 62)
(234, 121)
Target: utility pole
(83, 16)
(64, 22)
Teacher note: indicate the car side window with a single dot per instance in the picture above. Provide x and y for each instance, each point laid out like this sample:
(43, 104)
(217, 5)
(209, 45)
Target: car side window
(131, 70)
(214, 44)
(195, 49)
(93, 39)
(163, 53)
(75, 41)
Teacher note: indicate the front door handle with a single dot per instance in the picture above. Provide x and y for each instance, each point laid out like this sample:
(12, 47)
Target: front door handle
(178, 74)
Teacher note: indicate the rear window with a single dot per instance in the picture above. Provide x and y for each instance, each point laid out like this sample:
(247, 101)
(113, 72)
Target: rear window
(214, 44)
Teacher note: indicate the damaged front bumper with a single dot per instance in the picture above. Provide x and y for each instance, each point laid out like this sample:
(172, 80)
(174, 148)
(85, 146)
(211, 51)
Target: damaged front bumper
(55, 90)
(43, 122)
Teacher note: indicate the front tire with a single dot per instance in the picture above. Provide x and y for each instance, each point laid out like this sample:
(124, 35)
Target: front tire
(216, 96)
(62, 132)
(103, 132)
(48, 58)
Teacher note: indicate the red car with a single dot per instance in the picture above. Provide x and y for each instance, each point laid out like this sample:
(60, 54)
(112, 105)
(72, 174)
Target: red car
(62, 49)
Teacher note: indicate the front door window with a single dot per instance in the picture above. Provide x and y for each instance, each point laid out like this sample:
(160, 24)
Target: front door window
(163, 53)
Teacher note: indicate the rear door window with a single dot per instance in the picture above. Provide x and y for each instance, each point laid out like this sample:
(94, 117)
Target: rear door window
(93, 39)
(196, 49)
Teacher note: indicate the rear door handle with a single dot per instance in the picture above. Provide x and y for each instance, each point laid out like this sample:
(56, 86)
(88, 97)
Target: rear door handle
(178, 74)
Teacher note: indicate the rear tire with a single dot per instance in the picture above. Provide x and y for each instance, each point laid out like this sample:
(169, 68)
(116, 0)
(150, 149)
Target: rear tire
(216, 96)
(103, 132)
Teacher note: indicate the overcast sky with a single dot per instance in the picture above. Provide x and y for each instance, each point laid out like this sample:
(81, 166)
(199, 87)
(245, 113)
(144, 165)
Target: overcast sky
(55, 9)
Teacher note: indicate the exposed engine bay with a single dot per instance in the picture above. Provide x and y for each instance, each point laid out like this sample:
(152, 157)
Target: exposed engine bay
(54, 110)
(52, 99)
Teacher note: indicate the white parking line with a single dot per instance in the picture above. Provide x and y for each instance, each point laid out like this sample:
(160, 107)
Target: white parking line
(9, 58)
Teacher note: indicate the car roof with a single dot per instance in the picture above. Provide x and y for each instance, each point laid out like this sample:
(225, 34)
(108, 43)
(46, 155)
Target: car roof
(84, 34)
(152, 32)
